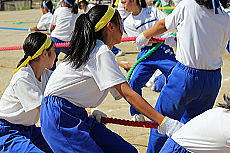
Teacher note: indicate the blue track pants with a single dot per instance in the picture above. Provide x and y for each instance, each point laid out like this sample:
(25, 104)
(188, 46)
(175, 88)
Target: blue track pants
(187, 93)
(67, 128)
(146, 68)
(16, 138)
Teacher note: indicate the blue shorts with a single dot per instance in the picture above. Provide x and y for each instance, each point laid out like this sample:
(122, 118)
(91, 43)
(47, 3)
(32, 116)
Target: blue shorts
(188, 92)
(67, 128)
(171, 146)
(19, 138)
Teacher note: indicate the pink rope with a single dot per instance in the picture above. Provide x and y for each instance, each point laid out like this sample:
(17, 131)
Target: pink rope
(156, 39)
(129, 123)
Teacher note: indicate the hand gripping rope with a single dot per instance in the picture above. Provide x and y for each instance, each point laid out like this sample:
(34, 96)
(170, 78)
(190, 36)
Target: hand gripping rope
(67, 44)
(129, 123)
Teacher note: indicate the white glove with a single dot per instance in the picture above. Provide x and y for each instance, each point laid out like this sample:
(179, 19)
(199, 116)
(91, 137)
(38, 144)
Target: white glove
(171, 41)
(141, 41)
(169, 126)
(97, 114)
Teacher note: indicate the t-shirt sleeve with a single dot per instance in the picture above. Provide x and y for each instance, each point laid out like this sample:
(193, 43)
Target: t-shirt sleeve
(29, 95)
(106, 71)
(116, 95)
(41, 23)
(176, 17)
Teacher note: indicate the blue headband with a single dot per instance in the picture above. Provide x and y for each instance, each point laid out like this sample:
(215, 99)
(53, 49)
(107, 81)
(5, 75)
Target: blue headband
(71, 5)
(217, 6)
(44, 5)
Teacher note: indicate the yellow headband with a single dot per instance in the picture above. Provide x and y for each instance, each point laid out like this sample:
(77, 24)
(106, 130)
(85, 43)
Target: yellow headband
(46, 45)
(105, 19)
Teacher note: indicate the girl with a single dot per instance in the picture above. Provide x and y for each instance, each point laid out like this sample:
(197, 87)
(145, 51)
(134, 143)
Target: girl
(20, 103)
(200, 43)
(44, 22)
(88, 72)
(85, 6)
(140, 19)
(62, 25)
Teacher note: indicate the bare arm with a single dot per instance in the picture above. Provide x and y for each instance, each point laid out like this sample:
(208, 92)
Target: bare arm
(156, 29)
(52, 27)
(139, 103)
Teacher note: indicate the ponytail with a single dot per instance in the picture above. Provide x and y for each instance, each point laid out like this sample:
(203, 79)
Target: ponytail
(82, 42)
(22, 60)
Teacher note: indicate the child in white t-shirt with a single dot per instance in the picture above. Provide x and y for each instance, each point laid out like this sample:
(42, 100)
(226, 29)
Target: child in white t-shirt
(62, 25)
(20, 103)
(88, 72)
(45, 20)
(194, 83)
(85, 6)
(205, 133)
(140, 19)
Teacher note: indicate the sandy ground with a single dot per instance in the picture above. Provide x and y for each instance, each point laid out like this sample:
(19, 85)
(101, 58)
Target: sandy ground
(117, 109)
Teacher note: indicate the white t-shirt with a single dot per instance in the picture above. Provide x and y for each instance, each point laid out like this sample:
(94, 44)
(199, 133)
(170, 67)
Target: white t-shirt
(22, 96)
(207, 133)
(202, 35)
(134, 25)
(88, 85)
(44, 21)
(64, 20)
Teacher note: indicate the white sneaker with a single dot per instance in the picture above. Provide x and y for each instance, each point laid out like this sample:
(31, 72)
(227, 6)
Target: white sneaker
(120, 53)
(138, 117)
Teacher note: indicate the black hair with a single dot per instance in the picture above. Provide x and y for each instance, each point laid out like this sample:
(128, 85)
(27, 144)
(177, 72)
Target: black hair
(74, 6)
(227, 104)
(208, 3)
(83, 1)
(141, 3)
(49, 6)
(32, 44)
(84, 35)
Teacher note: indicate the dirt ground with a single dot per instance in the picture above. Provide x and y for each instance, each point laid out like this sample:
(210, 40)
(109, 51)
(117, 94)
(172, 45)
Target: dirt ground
(117, 109)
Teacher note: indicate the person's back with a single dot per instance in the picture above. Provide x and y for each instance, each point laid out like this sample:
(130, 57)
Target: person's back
(204, 39)
(64, 22)
(208, 132)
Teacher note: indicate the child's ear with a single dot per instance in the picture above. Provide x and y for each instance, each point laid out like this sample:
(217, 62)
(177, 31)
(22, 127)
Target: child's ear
(44, 53)
(110, 26)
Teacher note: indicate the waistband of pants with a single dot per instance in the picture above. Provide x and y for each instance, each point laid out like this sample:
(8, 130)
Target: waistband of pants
(195, 71)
